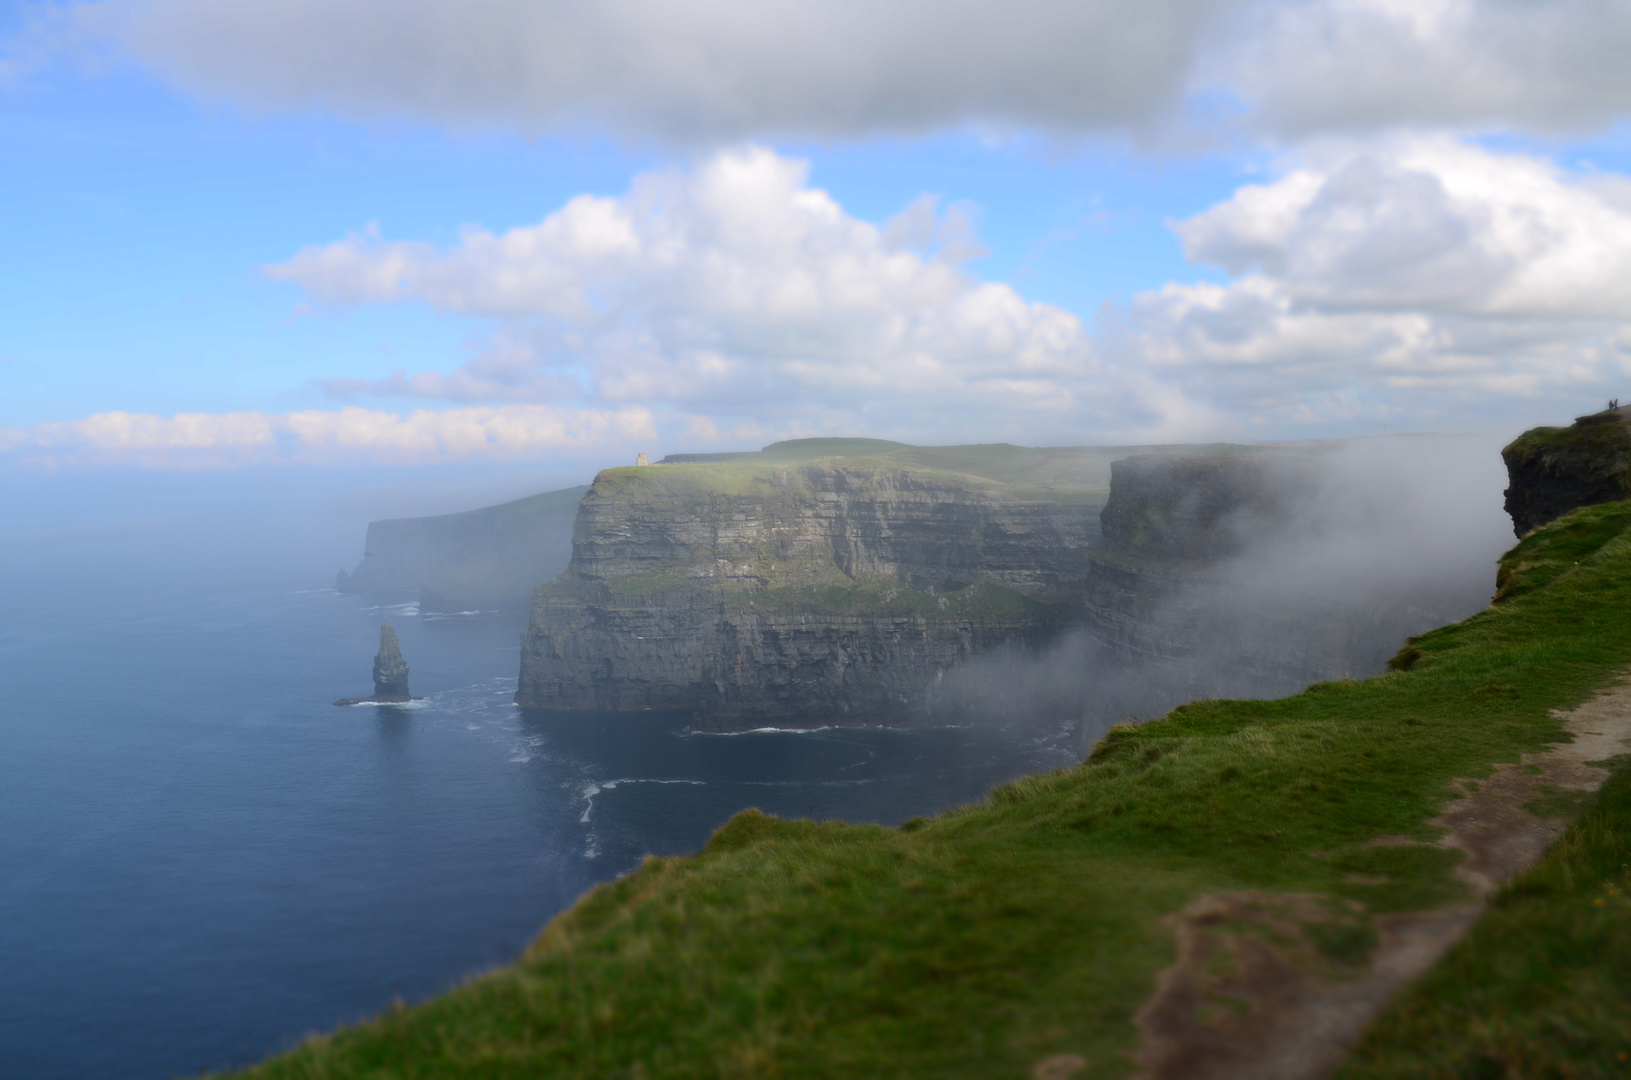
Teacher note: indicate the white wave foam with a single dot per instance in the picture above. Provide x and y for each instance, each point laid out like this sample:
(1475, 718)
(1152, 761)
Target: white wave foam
(410, 608)
(594, 789)
(763, 731)
(420, 704)
(527, 748)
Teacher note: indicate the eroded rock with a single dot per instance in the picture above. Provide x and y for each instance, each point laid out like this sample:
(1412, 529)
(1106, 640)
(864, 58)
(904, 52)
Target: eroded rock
(390, 673)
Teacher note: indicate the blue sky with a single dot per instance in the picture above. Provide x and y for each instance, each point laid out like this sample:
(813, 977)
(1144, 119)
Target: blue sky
(1200, 227)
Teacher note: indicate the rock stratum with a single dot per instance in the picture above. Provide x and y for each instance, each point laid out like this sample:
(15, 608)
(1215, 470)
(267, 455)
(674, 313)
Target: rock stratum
(817, 582)
(1552, 470)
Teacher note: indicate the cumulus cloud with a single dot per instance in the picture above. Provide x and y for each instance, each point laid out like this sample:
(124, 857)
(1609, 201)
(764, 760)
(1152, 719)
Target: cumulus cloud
(706, 71)
(1411, 282)
(738, 291)
(1385, 272)
(346, 436)
(1405, 283)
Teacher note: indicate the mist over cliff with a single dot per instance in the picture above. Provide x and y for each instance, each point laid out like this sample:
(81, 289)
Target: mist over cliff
(1316, 565)
(67, 534)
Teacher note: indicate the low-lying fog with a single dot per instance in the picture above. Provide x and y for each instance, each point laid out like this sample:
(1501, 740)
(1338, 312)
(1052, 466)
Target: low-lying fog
(186, 532)
(1384, 538)
(1393, 536)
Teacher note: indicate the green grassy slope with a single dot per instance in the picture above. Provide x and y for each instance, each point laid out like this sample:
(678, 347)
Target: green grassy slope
(981, 941)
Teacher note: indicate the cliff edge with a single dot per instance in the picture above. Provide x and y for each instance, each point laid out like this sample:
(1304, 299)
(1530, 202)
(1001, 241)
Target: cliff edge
(1555, 470)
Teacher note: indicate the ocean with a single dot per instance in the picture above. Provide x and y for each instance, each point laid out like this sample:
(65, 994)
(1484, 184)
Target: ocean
(202, 859)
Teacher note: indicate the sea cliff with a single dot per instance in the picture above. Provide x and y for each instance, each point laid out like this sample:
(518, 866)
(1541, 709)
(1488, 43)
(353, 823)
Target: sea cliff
(805, 592)
(1555, 470)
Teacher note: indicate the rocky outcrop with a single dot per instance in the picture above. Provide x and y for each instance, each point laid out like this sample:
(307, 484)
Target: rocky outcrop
(390, 670)
(390, 673)
(1552, 471)
(820, 592)
(476, 560)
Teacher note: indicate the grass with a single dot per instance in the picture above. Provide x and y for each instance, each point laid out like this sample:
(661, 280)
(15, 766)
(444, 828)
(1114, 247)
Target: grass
(977, 943)
(1067, 473)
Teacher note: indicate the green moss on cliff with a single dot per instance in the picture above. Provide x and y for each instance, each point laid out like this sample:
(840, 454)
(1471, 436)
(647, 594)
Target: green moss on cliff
(997, 936)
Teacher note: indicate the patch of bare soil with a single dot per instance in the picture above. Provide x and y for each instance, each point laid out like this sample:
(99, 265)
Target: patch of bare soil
(1280, 986)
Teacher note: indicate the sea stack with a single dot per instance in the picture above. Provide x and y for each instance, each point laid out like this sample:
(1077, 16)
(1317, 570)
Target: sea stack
(390, 673)
(390, 670)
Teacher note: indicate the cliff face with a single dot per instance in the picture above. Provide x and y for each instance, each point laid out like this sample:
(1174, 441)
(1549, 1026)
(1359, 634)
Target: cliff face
(810, 593)
(486, 558)
(1555, 470)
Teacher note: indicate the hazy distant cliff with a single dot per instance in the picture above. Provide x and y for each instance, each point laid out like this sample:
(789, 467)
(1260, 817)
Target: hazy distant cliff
(770, 588)
(482, 558)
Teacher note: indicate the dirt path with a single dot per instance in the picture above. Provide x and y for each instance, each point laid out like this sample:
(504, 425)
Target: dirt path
(1261, 989)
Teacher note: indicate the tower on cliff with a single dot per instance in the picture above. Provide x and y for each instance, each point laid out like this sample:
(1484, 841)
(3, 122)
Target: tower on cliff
(390, 670)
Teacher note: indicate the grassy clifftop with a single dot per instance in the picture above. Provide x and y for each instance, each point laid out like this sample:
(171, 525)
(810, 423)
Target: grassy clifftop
(1071, 473)
(1025, 932)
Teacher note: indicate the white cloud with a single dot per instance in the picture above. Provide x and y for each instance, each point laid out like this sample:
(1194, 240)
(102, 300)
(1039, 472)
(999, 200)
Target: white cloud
(346, 436)
(705, 71)
(1400, 275)
(1406, 283)
(738, 291)
(1343, 65)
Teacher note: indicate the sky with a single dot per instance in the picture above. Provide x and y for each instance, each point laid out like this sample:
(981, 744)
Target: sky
(336, 234)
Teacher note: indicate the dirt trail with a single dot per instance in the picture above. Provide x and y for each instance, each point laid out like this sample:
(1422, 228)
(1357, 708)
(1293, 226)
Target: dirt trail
(1253, 996)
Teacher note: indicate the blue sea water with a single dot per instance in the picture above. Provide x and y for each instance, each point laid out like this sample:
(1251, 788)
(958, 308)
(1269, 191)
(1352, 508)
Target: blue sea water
(202, 859)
